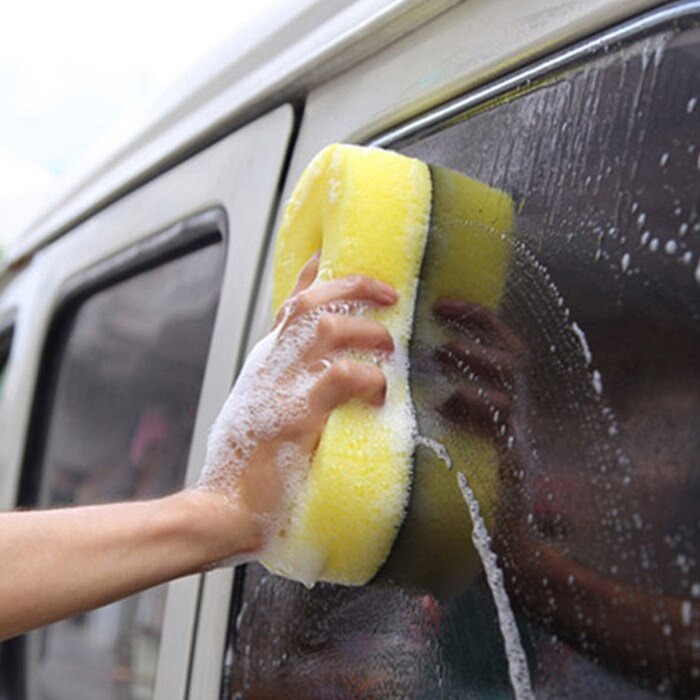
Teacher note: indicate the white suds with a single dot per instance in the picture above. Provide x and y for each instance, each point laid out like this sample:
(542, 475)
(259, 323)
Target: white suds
(597, 382)
(584, 343)
(438, 448)
(625, 262)
(518, 670)
(270, 395)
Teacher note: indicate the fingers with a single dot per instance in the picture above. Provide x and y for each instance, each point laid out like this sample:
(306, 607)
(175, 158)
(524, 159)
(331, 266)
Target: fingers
(477, 361)
(353, 288)
(337, 332)
(304, 281)
(479, 321)
(485, 409)
(307, 274)
(345, 380)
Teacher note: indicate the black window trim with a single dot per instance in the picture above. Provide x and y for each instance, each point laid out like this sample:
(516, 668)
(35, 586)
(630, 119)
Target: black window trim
(7, 332)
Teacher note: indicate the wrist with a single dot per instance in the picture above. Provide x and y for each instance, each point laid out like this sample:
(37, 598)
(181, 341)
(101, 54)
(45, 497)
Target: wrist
(218, 527)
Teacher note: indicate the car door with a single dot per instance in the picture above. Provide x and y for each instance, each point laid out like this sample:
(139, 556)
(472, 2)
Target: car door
(588, 582)
(126, 335)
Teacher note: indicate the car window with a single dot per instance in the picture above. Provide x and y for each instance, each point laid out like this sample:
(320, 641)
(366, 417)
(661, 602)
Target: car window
(582, 383)
(121, 397)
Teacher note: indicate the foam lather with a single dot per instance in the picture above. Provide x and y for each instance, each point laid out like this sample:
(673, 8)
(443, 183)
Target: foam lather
(373, 212)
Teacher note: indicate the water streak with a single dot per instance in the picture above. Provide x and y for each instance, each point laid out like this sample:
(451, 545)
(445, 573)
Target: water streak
(518, 670)
(437, 447)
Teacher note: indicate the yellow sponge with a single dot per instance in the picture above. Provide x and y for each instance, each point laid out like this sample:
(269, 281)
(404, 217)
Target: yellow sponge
(370, 212)
(465, 260)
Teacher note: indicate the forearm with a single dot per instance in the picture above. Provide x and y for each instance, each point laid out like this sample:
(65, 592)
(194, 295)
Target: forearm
(55, 563)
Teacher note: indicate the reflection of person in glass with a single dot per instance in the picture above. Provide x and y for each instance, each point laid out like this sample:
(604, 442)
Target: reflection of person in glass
(641, 631)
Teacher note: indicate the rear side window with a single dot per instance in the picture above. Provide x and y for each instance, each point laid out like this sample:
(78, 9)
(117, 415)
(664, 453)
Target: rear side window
(114, 421)
(584, 381)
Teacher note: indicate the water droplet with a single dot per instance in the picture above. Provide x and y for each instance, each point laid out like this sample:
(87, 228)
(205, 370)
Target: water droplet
(686, 612)
(582, 338)
(695, 590)
(690, 107)
(697, 272)
(666, 630)
(625, 262)
(597, 379)
(645, 238)
(663, 160)
(671, 246)
(687, 257)
(654, 245)
(641, 219)
(683, 229)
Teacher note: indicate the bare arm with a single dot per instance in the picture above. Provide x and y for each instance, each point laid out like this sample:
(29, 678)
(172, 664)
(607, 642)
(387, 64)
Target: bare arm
(55, 563)
(58, 562)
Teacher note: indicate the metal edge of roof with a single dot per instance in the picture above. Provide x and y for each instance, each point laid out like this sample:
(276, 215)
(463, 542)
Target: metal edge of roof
(227, 91)
(643, 21)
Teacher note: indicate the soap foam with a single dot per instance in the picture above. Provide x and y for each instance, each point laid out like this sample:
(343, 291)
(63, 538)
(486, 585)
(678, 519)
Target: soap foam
(269, 397)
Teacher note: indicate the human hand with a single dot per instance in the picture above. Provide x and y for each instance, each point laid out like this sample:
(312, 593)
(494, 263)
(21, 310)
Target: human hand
(263, 439)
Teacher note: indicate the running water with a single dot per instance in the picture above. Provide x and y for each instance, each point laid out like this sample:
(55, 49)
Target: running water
(517, 663)
(437, 447)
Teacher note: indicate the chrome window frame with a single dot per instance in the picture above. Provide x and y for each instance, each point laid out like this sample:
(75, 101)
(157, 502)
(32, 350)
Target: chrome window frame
(522, 79)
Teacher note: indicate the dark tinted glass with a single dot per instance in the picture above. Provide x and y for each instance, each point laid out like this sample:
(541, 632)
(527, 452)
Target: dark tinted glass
(580, 383)
(120, 425)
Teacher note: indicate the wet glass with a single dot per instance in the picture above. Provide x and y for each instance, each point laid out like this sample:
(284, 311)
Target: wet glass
(569, 398)
(120, 426)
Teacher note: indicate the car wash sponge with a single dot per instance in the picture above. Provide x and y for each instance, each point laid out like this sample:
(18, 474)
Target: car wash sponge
(369, 212)
(429, 233)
